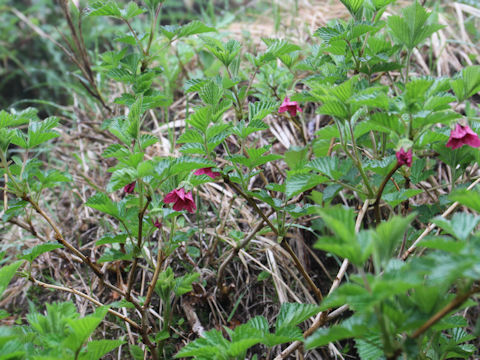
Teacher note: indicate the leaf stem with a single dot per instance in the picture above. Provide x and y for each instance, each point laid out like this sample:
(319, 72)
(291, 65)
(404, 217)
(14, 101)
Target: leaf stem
(452, 305)
(376, 205)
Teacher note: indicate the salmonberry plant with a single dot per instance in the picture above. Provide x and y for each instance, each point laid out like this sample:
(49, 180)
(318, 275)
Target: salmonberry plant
(411, 252)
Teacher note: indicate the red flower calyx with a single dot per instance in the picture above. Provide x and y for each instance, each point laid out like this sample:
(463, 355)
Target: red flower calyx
(207, 171)
(290, 106)
(129, 188)
(404, 158)
(157, 224)
(181, 200)
(462, 135)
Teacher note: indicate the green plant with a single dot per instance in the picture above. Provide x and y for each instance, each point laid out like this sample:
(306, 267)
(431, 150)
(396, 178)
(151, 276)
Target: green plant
(386, 131)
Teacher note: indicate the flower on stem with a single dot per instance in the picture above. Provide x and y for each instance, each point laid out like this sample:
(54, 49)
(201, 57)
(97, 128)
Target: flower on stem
(157, 224)
(207, 171)
(404, 158)
(129, 188)
(462, 135)
(290, 106)
(181, 200)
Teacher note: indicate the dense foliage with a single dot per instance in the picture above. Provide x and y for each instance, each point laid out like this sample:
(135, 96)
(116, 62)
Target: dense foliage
(369, 132)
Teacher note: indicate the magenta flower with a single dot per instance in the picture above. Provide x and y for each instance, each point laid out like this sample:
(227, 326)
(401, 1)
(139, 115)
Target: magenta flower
(404, 158)
(157, 224)
(128, 189)
(463, 135)
(290, 106)
(181, 200)
(207, 171)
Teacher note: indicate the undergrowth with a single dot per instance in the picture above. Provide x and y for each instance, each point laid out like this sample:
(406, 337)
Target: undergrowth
(212, 198)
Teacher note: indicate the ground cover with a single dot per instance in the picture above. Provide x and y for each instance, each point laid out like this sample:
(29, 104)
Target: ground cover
(262, 180)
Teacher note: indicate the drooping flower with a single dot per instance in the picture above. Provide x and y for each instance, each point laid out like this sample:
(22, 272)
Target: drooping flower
(129, 188)
(157, 224)
(404, 158)
(207, 171)
(181, 200)
(290, 106)
(462, 135)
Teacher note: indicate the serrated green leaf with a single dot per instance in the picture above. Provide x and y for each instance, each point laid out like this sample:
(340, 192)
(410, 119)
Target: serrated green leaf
(98, 348)
(347, 329)
(104, 8)
(260, 109)
(388, 235)
(292, 314)
(328, 166)
(299, 183)
(370, 347)
(412, 29)
(443, 243)
(211, 93)
(134, 118)
(200, 119)
(460, 226)
(7, 272)
(353, 6)
(211, 345)
(130, 11)
(194, 85)
(36, 251)
(184, 283)
(187, 163)
(191, 136)
(103, 203)
(112, 254)
(120, 178)
(397, 197)
(467, 84)
(279, 47)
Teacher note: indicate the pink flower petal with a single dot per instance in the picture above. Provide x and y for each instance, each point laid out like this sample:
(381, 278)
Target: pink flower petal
(462, 135)
(181, 193)
(170, 197)
(472, 140)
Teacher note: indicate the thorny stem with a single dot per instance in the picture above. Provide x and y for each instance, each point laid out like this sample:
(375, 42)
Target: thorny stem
(452, 305)
(131, 275)
(59, 237)
(300, 268)
(151, 287)
(137, 40)
(236, 250)
(250, 82)
(376, 205)
(239, 110)
(283, 243)
(152, 29)
(357, 63)
(407, 66)
(358, 162)
(75, 251)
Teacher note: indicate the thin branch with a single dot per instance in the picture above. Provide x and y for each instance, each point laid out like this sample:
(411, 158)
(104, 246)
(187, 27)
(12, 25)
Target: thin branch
(151, 287)
(430, 227)
(131, 274)
(376, 205)
(300, 268)
(236, 250)
(60, 239)
(85, 296)
(452, 305)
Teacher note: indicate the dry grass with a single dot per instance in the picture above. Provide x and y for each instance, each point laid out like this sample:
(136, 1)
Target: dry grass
(222, 210)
